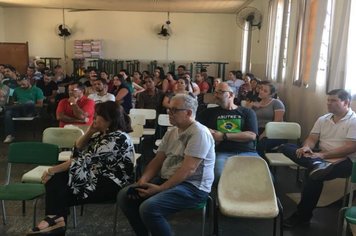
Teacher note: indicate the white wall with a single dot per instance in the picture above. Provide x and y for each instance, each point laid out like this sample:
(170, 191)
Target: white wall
(132, 35)
(2, 33)
(128, 35)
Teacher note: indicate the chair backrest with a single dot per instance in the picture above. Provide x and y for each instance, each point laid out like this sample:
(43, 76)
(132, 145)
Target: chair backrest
(137, 119)
(137, 131)
(150, 114)
(82, 127)
(163, 120)
(352, 186)
(63, 137)
(283, 130)
(33, 153)
(353, 174)
(246, 179)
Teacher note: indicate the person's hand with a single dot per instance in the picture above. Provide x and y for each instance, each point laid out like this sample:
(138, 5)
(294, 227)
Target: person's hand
(314, 155)
(72, 100)
(261, 136)
(92, 128)
(45, 177)
(148, 189)
(304, 151)
(218, 136)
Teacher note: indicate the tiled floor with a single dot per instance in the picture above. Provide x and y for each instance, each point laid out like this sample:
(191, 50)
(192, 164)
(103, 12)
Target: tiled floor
(98, 219)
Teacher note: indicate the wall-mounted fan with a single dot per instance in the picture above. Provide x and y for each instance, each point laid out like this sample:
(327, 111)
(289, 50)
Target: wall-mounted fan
(165, 30)
(63, 30)
(249, 15)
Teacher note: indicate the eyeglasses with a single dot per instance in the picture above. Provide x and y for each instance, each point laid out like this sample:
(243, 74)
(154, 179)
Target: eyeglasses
(221, 91)
(174, 110)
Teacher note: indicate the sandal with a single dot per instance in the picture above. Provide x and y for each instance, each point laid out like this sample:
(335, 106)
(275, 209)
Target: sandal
(53, 227)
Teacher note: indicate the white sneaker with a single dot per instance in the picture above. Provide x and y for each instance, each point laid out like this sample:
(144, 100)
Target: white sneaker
(9, 139)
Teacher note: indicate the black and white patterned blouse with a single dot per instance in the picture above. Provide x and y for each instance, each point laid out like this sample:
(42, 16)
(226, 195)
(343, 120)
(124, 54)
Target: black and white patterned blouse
(110, 155)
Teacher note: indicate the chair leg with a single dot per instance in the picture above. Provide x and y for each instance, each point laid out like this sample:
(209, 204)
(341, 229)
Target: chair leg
(81, 210)
(210, 213)
(340, 221)
(203, 221)
(34, 211)
(23, 208)
(216, 220)
(344, 199)
(116, 214)
(2, 203)
(74, 217)
(280, 207)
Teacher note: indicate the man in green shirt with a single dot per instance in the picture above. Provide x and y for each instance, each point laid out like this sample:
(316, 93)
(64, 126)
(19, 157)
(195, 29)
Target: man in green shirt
(25, 100)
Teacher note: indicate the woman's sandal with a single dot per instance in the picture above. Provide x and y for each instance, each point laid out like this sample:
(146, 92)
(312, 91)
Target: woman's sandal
(53, 227)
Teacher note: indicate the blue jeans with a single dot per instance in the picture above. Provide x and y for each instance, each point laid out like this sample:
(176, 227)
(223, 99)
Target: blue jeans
(221, 158)
(312, 188)
(19, 110)
(149, 215)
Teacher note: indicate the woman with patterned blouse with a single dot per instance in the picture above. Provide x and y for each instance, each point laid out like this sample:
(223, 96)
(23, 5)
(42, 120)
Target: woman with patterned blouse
(101, 165)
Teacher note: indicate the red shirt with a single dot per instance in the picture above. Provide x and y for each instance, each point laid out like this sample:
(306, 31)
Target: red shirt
(203, 86)
(86, 104)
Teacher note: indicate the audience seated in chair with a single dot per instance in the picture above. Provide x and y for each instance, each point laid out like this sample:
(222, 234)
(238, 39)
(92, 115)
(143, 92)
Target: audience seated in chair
(77, 109)
(122, 92)
(102, 164)
(184, 163)
(4, 96)
(151, 98)
(49, 89)
(24, 102)
(234, 128)
(267, 110)
(101, 92)
(10, 78)
(336, 134)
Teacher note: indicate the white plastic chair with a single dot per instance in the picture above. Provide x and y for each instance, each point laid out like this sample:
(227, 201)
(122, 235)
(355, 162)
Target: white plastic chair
(282, 130)
(149, 114)
(246, 190)
(163, 121)
(64, 139)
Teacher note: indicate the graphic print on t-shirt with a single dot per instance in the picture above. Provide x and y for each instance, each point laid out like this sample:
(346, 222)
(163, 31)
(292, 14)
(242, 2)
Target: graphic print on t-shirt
(229, 123)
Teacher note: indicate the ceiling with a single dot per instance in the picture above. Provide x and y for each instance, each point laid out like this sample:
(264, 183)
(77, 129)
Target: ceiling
(189, 6)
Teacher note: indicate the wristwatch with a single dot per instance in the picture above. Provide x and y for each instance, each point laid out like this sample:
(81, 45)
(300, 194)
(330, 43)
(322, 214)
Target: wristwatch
(224, 137)
(72, 103)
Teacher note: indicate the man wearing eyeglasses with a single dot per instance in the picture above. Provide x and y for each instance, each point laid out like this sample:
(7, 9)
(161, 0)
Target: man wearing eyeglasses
(184, 164)
(234, 128)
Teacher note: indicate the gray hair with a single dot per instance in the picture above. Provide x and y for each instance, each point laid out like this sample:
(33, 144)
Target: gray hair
(190, 102)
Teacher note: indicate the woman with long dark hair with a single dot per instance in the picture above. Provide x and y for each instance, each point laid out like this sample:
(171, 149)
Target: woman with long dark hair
(122, 92)
(101, 165)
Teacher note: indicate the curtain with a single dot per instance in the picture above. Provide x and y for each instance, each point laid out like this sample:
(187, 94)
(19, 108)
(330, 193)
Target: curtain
(338, 46)
(317, 10)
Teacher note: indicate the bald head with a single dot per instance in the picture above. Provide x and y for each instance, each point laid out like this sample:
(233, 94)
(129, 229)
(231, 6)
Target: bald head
(223, 86)
(224, 95)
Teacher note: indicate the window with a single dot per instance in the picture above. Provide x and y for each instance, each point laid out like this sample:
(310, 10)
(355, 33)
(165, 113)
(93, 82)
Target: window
(279, 12)
(324, 48)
